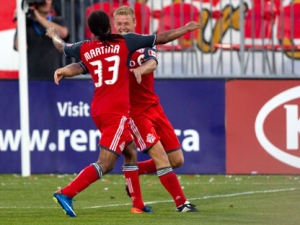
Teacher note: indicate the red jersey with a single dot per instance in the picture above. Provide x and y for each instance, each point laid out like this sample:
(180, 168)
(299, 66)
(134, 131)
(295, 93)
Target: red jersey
(108, 66)
(150, 124)
(142, 96)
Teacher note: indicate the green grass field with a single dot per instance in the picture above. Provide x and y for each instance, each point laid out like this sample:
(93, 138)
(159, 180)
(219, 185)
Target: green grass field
(247, 199)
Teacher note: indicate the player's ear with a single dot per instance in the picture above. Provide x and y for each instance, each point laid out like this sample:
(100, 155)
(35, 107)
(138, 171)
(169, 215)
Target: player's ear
(134, 22)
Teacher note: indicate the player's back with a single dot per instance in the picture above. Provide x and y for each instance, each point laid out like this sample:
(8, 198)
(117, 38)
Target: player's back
(107, 66)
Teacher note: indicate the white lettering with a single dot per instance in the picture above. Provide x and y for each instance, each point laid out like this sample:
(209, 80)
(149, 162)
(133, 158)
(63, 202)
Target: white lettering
(292, 127)
(62, 135)
(9, 140)
(191, 140)
(101, 50)
(78, 140)
(94, 139)
(62, 108)
(38, 140)
(87, 56)
(93, 54)
(70, 110)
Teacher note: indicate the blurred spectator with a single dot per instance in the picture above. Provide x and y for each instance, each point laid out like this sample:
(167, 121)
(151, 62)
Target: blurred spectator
(107, 6)
(142, 15)
(175, 15)
(43, 58)
(74, 15)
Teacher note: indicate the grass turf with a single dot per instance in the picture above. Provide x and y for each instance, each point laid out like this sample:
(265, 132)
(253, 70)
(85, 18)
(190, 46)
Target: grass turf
(226, 200)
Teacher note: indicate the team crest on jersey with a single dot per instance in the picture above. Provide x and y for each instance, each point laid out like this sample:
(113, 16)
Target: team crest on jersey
(150, 138)
(122, 146)
(152, 53)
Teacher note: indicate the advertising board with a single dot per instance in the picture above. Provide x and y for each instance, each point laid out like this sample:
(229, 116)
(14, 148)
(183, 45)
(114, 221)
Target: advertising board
(64, 139)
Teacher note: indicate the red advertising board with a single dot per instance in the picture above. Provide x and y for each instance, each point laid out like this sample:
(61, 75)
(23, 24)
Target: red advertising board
(262, 127)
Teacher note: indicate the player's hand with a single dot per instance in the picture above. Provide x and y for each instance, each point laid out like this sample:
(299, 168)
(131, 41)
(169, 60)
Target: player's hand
(51, 32)
(137, 73)
(191, 26)
(58, 75)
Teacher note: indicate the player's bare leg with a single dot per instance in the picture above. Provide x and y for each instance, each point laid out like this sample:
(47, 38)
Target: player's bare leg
(176, 158)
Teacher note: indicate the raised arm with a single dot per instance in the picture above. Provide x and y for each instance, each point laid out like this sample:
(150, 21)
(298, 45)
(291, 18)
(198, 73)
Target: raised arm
(56, 39)
(171, 35)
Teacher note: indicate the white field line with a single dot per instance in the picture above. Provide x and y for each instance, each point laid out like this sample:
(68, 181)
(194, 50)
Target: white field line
(206, 197)
(157, 202)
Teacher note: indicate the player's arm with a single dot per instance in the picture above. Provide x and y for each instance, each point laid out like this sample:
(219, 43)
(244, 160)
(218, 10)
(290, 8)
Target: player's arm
(56, 39)
(135, 41)
(146, 68)
(69, 50)
(171, 35)
(70, 70)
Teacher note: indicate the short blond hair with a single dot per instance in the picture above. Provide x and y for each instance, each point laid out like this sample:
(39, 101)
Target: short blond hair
(125, 10)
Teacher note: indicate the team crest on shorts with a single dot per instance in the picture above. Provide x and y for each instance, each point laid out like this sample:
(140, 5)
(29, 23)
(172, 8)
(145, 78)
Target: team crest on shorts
(150, 138)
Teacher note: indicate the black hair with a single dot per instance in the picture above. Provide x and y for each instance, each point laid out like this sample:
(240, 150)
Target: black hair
(99, 25)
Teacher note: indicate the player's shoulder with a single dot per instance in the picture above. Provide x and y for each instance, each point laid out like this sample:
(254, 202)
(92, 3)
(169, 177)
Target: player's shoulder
(130, 35)
(88, 42)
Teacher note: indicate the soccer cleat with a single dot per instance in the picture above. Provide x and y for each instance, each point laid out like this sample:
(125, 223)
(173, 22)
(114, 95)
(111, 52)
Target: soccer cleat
(127, 190)
(146, 209)
(65, 202)
(187, 207)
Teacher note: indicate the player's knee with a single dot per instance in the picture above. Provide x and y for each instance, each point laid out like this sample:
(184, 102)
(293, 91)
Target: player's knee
(130, 155)
(106, 167)
(177, 162)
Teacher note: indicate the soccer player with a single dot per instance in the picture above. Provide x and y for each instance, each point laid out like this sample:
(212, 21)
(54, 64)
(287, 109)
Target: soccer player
(107, 58)
(154, 133)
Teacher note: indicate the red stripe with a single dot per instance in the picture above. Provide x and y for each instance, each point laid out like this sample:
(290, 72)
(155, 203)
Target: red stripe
(13, 74)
